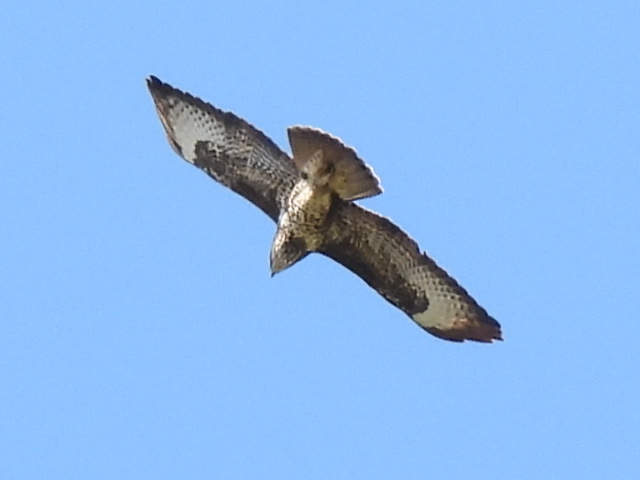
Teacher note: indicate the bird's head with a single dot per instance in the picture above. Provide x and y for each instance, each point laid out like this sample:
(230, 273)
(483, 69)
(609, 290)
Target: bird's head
(285, 252)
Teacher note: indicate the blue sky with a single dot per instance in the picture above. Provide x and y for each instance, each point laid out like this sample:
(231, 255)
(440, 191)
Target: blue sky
(140, 333)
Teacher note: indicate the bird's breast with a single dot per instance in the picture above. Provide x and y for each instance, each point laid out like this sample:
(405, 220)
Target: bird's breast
(306, 215)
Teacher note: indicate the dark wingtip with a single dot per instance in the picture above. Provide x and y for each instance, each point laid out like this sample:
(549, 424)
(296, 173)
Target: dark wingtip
(154, 84)
(485, 330)
(152, 81)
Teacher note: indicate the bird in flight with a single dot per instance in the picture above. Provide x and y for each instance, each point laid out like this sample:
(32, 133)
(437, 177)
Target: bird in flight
(310, 195)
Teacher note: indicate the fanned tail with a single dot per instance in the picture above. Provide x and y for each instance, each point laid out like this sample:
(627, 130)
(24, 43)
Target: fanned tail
(352, 178)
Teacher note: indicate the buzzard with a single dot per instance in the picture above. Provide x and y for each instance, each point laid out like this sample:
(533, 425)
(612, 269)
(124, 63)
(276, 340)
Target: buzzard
(311, 198)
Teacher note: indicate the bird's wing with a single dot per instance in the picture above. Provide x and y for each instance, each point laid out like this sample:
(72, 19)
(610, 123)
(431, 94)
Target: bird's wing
(226, 147)
(391, 263)
(352, 178)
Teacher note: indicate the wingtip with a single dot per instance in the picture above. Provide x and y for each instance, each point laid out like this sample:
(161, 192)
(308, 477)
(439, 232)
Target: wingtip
(152, 80)
(158, 88)
(154, 84)
(472, 330)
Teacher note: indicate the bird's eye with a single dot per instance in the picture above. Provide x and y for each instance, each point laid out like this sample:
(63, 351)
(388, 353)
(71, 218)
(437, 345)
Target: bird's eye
(304, 175)
(330, 168)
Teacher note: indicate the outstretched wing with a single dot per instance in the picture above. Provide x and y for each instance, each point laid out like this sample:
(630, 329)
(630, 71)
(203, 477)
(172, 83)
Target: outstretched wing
(226, 147)
(352, 178)
(389, 261)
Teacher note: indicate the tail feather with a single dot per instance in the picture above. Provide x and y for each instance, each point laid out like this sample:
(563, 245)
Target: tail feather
(352, 178)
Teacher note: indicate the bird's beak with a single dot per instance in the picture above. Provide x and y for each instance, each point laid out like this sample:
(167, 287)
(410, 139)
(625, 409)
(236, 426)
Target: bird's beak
(275, 268)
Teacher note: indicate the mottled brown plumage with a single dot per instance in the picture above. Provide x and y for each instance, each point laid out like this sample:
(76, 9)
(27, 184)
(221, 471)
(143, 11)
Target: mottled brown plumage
(310, 196)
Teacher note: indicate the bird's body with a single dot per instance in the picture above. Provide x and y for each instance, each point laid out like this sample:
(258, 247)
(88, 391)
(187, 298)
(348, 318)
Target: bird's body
(302, 225)
(327, 171)
(310, 196)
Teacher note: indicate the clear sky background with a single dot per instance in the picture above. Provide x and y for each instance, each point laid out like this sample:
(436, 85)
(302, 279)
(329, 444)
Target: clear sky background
(140, 333)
